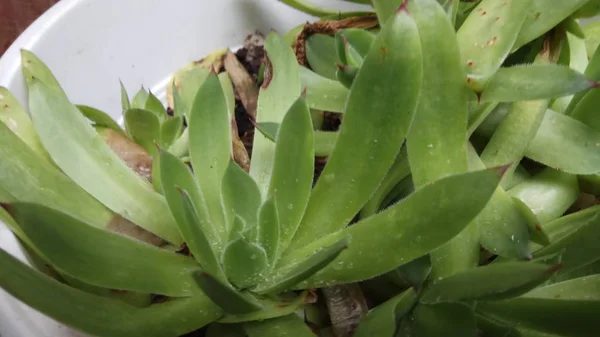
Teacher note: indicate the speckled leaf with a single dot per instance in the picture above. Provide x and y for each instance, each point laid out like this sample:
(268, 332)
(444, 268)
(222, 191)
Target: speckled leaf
(541, 18)
(493, 282)
(383, 320)
(240, 195)
(244, 263)
(293, 170)
(414, 224)
(566, 144)
(290, 274)
(102, 258)
(553, 316)
(99, 118)
(321, 55)
(278, 92)
(176, 176)
(16, 119)
(99, 315)
(323, 93)
(84, 156)
(269, 230)
(533, 82)
(370, 138)
(210, 146)
(230, 300)
(487, 36)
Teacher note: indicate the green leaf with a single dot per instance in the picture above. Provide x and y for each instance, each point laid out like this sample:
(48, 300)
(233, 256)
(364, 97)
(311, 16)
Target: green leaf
(154, 105)
(437, 140)
(324, 143)
(321, 55)
(487, 37)
(541, 18)
(277, 94)
(323, 93)
(353, 45)
(139, 99)
(293, 170)
(290, 325)
(16, 119)
(269, 230)
(283, 306)
(581, 289)
(315, 10)
(578, 248)
(553, 316)
(193, 229)
(414, 223)
(170, 130)
(342, 190)
(489, 283)
(180, 108)
(570, 223)
(187, 84)
(125, 104)
(383, 320)
(412, 274)
(592, 40)
(86, 158)
(445, 319)
(42, 183)
(144, 128)
(99, 315)
(244, 263)
(240, 196)
(566, 144)
(232, 301)
(228, 92)
(34, 68)
(537, 233)
(102, 258)
(100, 118)
(549, 194)
(210, 146)
(225, 330)
(346, 75)
(239, 229)
(176, 177)
(290, 274)
(534, 82)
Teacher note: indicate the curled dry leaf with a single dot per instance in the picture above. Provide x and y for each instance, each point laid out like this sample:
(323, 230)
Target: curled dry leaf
(130, 152)
(240, 154)
(244, 84)
(347, 307)
(330, 28)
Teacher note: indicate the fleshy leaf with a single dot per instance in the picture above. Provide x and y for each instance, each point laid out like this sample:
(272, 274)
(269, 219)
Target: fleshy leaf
(292, 177)
(170, 130)
(581, 289)
(393, 62)
(278, 92)
(287, 276)
(154, 105)
(413, 223)
(244, 262)
(325, 143)
(321, 55)
(13, 115)
(346, 75)
(125, 103)
(566, 144)
(488, 283)
(487, 36)
(100, 257)
(99, 315)
(230, 300)
(271, 309)
(139, 99)
(269, 230)
(100, 118)
(323, 93)
(144, 128)
(210, 146)
(383, 320)
(240, 195)
(176, 176)
(290, 325)
(534, 82)
(86, 158)
(445, 319)
(552, 316)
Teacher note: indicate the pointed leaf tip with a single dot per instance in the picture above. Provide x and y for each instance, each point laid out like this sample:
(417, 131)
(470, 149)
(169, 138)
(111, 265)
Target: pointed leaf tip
(501, 169)
(555, 268)
(341, 67)
(403, 7)
(594, 84)
(6, 206)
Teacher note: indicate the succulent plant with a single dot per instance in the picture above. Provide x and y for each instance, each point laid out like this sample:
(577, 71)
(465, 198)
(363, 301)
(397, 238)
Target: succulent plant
(458, 196)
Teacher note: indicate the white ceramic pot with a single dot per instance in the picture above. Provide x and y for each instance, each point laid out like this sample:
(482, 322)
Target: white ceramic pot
(92, 44)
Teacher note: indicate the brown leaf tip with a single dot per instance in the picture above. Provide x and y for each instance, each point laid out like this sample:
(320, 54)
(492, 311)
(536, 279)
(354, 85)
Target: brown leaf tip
(403, 7)
(555, 268)
(341, 67)
(538, 227)
(6, 206)
(501, 169)
(594, 84)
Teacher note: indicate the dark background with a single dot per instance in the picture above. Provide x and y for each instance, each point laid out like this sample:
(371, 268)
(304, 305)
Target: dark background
(16, 15)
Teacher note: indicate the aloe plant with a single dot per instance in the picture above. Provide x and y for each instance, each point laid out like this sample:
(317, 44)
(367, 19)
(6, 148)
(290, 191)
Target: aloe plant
(446, 206)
